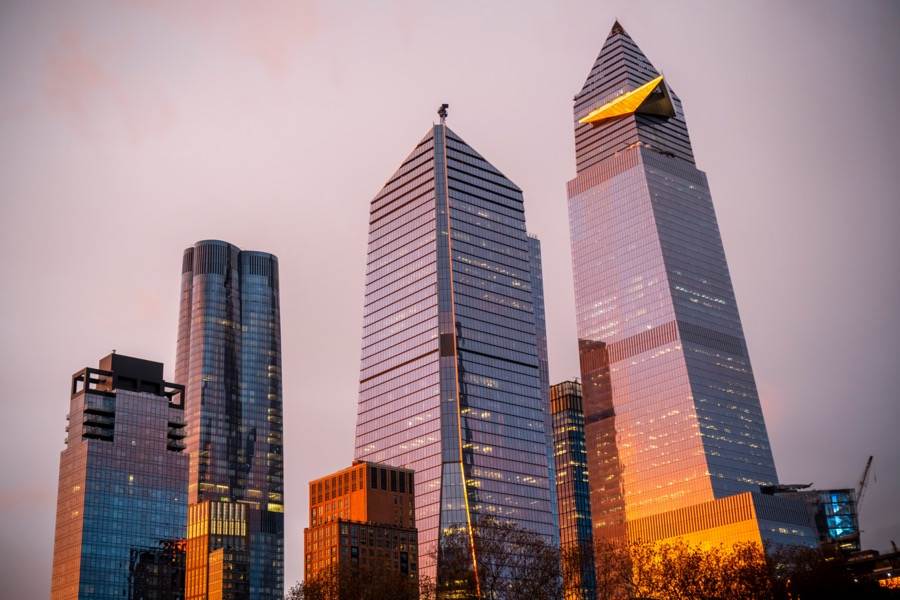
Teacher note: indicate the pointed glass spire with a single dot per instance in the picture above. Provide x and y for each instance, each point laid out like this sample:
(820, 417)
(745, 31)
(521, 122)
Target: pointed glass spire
(612, 112)
(620, 62)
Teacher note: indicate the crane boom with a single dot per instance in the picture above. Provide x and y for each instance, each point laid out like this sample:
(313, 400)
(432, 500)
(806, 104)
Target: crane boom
(863, 482)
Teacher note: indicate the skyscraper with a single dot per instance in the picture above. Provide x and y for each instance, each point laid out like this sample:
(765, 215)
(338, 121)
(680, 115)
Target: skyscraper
(673, 418)
(450, 382)
(576, 531)
(122, 500)
(229, 359)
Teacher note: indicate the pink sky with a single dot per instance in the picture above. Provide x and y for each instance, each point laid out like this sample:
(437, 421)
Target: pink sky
(129, 130)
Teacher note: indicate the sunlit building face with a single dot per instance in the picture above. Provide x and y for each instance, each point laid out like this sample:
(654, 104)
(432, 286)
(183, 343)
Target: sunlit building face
(673, 417)
(450, 381)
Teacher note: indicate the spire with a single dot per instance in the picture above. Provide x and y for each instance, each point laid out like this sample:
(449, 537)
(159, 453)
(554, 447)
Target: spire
(617, 29)
(442, 113)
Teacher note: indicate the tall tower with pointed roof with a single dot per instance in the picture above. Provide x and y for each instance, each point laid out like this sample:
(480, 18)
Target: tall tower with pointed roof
(451, 381)
(677, 443)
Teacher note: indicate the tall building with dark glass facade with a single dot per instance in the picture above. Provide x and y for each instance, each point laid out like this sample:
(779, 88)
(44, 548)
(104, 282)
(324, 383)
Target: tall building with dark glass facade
(450, 380)
(576, 532)
(122, 500)
(229, 359)
(674, 427)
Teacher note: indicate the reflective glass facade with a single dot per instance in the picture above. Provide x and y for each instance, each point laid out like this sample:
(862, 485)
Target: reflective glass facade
(122, 500)
(673, 417)
(450, 381)
(838, 518)
(834, 513)
(229, 359)
(576, 531)
(540, 321)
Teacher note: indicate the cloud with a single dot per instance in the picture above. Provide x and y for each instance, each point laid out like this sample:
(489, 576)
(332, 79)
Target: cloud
(75, 79)
(269, 32)
(80, 84)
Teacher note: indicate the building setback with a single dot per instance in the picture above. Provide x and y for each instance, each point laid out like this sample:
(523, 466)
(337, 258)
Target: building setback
(573, 492)
(122, 499)
(450, 381)
(229, 359)
(362, 517)
(834, 513)
(677, 444)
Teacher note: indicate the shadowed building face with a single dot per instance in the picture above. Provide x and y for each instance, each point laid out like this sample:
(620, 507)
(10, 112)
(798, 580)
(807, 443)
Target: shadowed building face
(673, 418)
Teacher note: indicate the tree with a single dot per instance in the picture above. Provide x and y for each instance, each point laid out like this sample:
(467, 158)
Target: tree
(378, 580)
(679, 571)
(513, 564)
(578, 572)
(800, 573)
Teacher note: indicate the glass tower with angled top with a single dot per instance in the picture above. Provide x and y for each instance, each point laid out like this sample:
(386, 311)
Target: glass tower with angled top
(675, 432)
(450, 380)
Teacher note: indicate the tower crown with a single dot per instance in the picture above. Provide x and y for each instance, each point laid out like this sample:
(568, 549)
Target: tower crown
(624, 102)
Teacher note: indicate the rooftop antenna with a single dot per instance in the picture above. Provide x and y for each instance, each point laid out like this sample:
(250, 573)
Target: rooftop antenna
(442, 113)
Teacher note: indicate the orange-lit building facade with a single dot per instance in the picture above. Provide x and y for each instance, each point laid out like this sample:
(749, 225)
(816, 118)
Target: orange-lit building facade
(676, 439)
(217, 551)
(362, 516)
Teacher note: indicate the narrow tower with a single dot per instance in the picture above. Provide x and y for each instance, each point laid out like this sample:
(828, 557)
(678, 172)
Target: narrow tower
(675, 433)
(450, 381)
(229, 359)
(576, 532)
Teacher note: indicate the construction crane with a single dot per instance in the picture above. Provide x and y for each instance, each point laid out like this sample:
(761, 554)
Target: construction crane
(863, 482)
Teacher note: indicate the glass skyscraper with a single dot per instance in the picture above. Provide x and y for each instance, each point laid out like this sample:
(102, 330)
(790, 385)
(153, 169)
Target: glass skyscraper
(229, 359)
(450, 380)
(122, 500)
(576, 530)
(673, 418)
